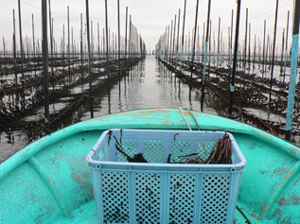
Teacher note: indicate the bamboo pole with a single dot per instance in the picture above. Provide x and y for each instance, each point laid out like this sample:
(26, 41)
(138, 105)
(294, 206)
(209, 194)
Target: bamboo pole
(21, 53)
(51, 42)
(219, 44)
(293, 76)
(282, 53)
(205, 56)
(174, 31)
(107, 42)
(232, 87)
(98, 38)
(231, 36)
(89, 57)
(45, 66)
(264, 43)
(245, 46)
(15, 48)
(130, 37)
(81, 46)
(177, 43)
(286, 45)
(119, 43)
(273, 53)
(193, 68)
(69, 57)
(249, 50)
(182, 39)
(33, 44)
(126, 22)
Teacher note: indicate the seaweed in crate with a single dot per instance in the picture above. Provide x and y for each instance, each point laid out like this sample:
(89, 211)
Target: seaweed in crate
(221, 154)
(138, 157)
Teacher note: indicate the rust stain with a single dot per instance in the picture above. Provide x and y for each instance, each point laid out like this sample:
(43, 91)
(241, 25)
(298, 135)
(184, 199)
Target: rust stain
(77, 178)
(293, 200)
(260, 133)
(295, 151)
(296, 182)
(282, 201)
(265, 209)
(166, 123)
(280, 171)
(152, 111)
(254, 216)
(276, 214)
(286, 177)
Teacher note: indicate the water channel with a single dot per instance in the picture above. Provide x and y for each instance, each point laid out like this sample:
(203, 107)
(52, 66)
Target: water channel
(148, 85)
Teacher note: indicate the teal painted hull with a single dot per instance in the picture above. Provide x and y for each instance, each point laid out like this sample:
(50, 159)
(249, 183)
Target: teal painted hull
(49, 180)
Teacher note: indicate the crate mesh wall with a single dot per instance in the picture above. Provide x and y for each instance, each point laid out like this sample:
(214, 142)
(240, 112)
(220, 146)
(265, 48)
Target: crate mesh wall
(204, 148)
(147, 198)
(144, 195)
(130, 146)
(215, 197)
(106, 153)
(180, 148)
(115, 194)
(182, 198)
(154, 151)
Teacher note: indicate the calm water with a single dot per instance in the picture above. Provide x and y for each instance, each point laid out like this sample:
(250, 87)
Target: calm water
(148, 85)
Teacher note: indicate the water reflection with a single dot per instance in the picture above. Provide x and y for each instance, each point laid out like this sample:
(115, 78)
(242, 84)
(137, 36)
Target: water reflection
(148, 85)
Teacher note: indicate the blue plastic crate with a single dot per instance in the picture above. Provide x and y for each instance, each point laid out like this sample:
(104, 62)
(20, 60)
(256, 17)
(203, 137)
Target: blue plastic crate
(161, 192)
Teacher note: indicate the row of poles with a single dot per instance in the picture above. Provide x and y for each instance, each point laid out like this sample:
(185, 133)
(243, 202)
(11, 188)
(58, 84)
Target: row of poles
(166, 46)
(140, 48)
(69, 49)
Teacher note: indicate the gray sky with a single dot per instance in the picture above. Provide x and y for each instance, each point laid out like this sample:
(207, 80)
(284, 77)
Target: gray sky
(150, 17)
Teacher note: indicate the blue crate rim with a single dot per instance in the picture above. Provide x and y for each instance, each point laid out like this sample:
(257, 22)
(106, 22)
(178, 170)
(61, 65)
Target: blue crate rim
(167, 167)
(236, 167)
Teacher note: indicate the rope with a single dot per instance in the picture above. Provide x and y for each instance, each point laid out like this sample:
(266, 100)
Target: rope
(185, 119)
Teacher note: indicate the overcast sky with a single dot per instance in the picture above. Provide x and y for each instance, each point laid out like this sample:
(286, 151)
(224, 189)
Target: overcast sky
(149, 16)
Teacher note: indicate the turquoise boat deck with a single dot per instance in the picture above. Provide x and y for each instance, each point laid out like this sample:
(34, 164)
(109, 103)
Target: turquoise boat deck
(49, 181)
